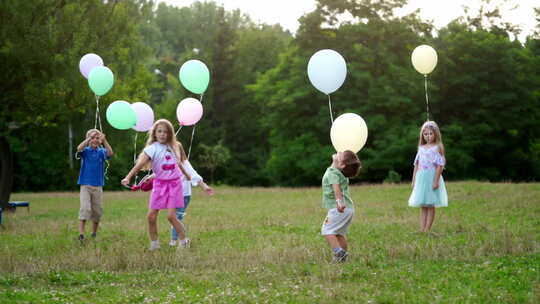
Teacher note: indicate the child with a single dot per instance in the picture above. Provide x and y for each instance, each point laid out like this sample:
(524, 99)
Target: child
(162, 150)
(337, 199)
(428, 185)
(92, 178)
(196, 179)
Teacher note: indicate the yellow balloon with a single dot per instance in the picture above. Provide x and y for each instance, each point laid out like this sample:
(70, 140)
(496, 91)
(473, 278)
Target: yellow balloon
(424, 59)
(349, 132)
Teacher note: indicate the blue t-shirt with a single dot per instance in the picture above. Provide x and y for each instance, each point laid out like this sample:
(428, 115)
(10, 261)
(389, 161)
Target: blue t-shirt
(93, 166)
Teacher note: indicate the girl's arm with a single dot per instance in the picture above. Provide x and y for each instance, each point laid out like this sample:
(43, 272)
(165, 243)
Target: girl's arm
(107, 146)
(414, 174)
(143, 160)
(195, 177)
(438, 172)
(339, 197)
(83, 144)
(188, 177)
(206, 188)
(148, 177)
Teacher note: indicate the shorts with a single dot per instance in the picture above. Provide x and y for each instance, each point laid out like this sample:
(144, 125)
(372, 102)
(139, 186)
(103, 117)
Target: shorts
(337, 222)
(91, 203)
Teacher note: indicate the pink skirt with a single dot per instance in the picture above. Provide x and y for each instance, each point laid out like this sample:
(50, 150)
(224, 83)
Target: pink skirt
(166, 194)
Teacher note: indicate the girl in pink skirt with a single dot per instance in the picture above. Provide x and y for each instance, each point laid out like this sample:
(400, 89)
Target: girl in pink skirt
(162, 151)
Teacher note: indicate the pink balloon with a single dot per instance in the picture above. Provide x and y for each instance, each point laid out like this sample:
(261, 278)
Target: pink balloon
(88, 62)
(189, 111)
(145, 116)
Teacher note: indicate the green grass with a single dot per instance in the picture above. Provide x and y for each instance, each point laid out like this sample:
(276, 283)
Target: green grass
(262, 245)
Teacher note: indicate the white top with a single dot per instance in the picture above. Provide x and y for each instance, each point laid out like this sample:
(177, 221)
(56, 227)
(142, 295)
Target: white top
(195, 178)
(429, 158)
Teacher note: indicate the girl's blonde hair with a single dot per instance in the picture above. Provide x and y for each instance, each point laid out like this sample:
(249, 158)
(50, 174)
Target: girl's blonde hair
(173, 144)
(438, 137)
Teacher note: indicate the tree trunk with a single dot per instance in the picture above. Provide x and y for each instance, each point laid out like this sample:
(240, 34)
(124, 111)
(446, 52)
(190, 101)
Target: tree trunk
(6, 173)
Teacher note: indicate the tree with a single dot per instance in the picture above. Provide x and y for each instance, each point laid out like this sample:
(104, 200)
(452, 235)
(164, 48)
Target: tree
(213, 156)
(47, 38)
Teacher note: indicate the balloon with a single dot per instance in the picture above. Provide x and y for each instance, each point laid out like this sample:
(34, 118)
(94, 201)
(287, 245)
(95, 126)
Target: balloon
(88, 62)
(120, 115)
(424, 59)
(349, 132)
(194, 76)
(101, 80)
(144, 115)
(189, 111)
(327, 70)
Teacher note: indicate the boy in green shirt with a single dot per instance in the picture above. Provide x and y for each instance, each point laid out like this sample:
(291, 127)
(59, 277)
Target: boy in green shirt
(337, 199)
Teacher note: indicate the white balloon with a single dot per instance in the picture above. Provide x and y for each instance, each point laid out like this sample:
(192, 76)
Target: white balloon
(424, 59)
(327, 70)
(145, 116)
(349, 132)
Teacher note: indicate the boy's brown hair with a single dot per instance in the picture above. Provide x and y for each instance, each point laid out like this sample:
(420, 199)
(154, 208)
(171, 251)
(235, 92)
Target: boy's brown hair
(352, 164)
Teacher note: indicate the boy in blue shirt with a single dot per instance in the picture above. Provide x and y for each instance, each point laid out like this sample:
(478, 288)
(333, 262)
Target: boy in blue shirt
(92, 178)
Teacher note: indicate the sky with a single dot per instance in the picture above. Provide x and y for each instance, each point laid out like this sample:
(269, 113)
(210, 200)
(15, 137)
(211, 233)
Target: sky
(287, 12)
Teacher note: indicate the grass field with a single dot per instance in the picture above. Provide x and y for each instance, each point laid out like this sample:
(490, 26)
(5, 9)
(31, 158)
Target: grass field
(262, 245)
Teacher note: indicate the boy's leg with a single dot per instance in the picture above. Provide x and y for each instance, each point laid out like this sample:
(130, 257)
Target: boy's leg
(339, 252)
(95, 226)
(97, 208)
(81, 226)
(84, 210)
(342, 240)
(332, 240)
(152, 224)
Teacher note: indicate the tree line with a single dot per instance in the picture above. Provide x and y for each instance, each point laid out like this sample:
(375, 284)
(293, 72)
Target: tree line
(260, 109)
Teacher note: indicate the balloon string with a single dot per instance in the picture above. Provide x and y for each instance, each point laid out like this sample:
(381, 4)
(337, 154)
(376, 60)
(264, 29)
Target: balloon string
(135, 154)
(191, 141)
(330, 107)
(98, 118)
(178, 131)
(193, 132)
(106, 170)
(135, 149)
(427, 99)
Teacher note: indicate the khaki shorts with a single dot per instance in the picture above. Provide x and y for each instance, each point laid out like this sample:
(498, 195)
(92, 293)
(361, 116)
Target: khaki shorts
(337, 222)
(91, 203)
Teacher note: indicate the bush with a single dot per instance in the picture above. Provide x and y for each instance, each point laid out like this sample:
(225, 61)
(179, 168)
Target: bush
(393, 177)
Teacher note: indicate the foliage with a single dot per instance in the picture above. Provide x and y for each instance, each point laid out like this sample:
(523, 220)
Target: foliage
(484, 93)
(213, 156)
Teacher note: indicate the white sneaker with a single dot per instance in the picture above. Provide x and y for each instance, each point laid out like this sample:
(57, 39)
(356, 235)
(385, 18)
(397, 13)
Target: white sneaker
(173, 243)
(154, 246)
(184, 243)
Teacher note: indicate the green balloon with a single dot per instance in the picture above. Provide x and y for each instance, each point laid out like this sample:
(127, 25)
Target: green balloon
(194, 76)
(101, 80)
(121, 116)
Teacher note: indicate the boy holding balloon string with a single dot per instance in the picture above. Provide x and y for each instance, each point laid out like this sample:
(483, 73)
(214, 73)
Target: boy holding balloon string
(92, 178)
(337, 199)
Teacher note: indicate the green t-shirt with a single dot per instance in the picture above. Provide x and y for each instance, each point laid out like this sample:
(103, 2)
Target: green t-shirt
(334, 176)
